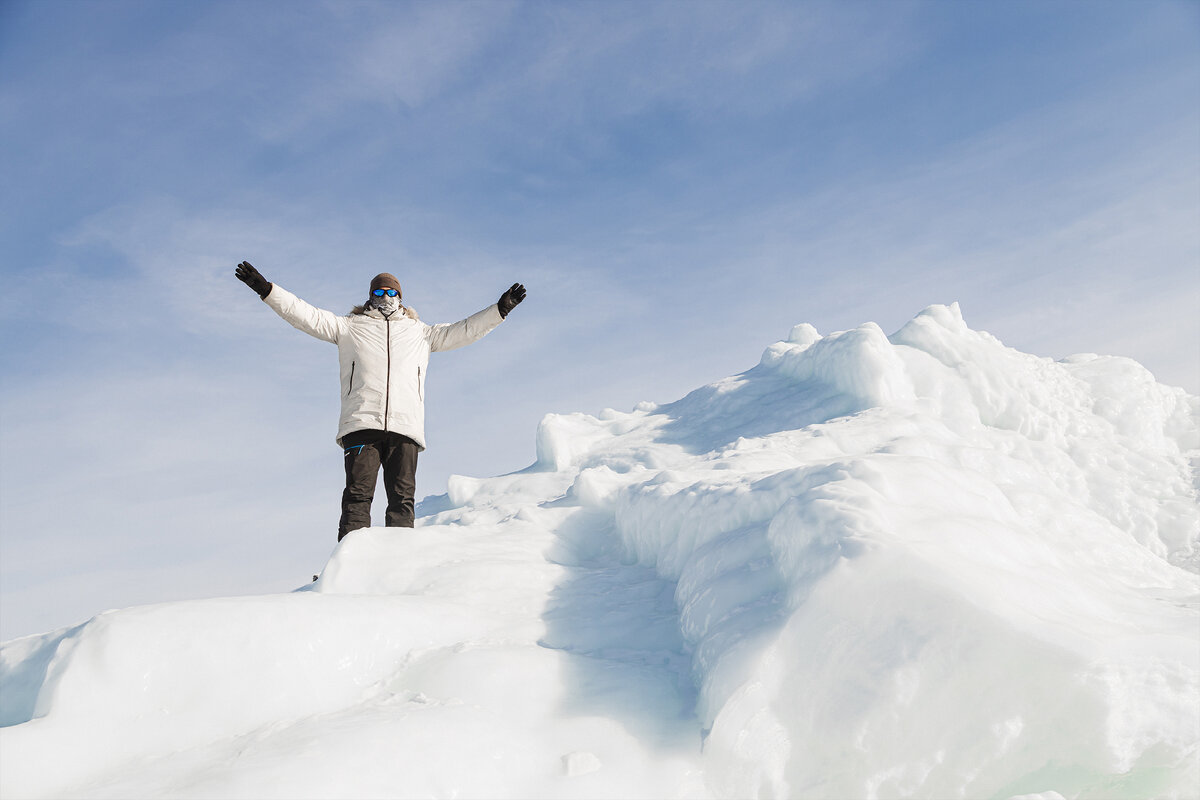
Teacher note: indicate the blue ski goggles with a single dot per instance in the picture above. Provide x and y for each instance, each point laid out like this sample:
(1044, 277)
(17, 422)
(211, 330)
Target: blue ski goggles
(382, 292)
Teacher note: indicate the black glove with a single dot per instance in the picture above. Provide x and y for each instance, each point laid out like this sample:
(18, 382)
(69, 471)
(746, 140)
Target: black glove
(248, 275)
(509, 300)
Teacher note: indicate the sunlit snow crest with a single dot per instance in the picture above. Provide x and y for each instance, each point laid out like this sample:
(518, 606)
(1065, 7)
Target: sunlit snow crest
(923, 565)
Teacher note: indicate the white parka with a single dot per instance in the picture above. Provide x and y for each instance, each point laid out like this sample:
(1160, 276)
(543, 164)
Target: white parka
(383, 360)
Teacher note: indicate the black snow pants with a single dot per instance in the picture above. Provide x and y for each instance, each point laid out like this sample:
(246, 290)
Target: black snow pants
(365, 453)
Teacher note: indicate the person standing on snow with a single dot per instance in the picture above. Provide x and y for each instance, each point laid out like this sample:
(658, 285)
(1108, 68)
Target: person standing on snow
(383, 350)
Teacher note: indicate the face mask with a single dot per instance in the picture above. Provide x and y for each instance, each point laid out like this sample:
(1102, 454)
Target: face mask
(386, 305)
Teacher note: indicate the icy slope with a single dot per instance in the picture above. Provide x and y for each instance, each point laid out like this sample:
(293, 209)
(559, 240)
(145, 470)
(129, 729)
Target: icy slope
(922, 566)
(452, 661)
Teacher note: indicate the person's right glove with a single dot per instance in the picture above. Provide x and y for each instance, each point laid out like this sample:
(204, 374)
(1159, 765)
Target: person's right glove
(510, 299)
(248, 275)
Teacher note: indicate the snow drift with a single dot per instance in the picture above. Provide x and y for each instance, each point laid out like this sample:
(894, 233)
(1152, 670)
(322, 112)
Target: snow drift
(921, 565)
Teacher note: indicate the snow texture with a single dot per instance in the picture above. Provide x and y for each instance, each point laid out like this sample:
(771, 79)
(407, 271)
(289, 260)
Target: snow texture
(924, 565)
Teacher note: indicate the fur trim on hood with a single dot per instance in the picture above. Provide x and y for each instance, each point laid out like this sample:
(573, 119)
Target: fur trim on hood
(362, 310)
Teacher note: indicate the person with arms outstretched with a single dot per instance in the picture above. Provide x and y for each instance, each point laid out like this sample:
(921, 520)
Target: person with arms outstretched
(383, 353)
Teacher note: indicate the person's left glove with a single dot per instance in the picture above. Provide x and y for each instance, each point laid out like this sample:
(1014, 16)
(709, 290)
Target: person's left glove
(510, 299)
(248, 275)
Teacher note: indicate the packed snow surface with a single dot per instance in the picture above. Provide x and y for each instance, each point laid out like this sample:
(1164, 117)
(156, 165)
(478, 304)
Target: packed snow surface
(924, 565)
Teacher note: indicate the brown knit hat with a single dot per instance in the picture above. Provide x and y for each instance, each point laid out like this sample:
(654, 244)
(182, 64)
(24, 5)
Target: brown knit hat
(385, 280)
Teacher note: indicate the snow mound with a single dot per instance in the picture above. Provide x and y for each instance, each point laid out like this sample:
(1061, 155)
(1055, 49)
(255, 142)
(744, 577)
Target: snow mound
(919, 565)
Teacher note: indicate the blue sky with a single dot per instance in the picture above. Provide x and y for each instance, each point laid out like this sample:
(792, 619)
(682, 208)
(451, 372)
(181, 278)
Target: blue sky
(677, 184)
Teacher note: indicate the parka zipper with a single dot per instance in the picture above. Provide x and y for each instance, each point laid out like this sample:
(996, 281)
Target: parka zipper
(350, 385)
(387, 396)
(420, 392)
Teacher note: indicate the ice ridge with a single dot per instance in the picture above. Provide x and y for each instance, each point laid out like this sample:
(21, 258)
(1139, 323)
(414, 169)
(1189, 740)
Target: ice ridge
(869, 566)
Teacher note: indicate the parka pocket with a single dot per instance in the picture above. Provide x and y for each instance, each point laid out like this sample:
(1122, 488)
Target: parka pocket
(420, 388)
(350, 383)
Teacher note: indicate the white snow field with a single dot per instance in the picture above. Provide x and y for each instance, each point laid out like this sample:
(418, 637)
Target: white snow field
(924, 565)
